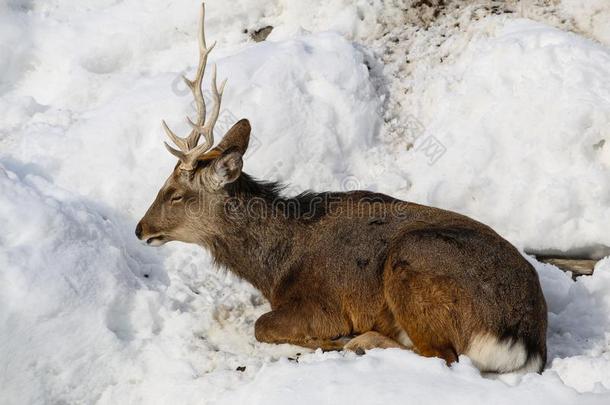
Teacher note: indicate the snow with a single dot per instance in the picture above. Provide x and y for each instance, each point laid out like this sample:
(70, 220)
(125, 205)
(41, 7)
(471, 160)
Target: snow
(589, 17)
(544, 111)
(337, 379)
(520, 110)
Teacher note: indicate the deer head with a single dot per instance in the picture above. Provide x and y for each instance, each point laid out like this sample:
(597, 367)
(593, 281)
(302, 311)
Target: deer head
(196, 185)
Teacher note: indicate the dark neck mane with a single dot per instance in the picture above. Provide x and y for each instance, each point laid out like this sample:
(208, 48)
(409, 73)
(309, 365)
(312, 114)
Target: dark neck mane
(246, 187)
(304, 207)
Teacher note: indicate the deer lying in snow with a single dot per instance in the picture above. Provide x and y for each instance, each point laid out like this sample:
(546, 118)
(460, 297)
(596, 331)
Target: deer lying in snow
(349, 270)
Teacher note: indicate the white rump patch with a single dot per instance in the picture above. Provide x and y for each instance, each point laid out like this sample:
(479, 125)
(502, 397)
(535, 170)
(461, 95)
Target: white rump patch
(489, 354)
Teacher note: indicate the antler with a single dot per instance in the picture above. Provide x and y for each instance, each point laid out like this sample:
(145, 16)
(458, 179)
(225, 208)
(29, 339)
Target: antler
(188, 151)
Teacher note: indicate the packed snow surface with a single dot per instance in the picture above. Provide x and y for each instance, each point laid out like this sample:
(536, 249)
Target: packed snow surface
(493, 115)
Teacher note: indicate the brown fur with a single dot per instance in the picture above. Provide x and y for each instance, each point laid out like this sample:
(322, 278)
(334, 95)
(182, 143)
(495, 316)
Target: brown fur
(337, 265)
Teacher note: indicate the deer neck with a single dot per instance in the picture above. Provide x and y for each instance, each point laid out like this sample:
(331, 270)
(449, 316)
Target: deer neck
(251, 239)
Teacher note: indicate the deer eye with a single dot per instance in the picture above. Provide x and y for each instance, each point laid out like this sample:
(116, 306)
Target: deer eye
(176, 198)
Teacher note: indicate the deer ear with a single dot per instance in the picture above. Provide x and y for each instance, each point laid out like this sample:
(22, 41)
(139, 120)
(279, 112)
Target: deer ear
(227, 168)
(236, 138)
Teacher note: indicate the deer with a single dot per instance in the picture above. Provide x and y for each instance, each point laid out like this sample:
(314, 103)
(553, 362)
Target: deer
(352, 270)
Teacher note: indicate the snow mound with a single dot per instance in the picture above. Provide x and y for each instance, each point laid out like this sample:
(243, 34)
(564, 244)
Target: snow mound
(522, 117)
(68, 281)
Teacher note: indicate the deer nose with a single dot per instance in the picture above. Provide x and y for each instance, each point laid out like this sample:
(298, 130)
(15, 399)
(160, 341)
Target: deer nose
(139, 230)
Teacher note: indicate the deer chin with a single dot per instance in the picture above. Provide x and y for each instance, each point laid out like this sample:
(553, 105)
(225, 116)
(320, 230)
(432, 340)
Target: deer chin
(157, 240)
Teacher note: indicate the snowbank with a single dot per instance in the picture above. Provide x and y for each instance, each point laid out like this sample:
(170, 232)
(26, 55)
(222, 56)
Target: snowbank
(523, 115)
(520, 111)
(69, 286)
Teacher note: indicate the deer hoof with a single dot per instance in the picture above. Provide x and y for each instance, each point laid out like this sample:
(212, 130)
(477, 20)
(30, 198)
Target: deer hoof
(370, 340)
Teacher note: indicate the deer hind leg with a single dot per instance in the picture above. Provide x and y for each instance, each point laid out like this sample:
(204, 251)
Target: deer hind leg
(298, 326)
(371, 340)
(428, 308)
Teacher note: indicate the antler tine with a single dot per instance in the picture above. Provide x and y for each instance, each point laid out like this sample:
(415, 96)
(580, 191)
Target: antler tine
(195, 84)
(208, 129)
(180, 155)
(179, 142)
(189, 143)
